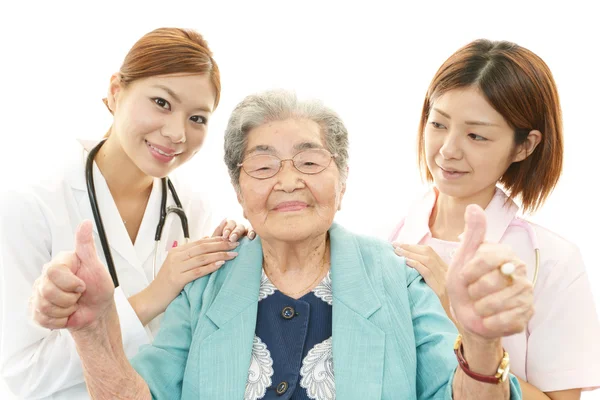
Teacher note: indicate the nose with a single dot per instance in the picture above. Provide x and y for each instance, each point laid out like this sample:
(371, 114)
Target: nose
(451, 147)
(174, 129)
(289, 178)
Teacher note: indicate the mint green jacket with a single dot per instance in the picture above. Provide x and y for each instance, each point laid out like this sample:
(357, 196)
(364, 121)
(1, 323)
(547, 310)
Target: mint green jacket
(391, 337)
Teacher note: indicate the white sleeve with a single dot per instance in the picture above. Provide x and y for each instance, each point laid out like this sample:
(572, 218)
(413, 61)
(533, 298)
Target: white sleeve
(37, 362)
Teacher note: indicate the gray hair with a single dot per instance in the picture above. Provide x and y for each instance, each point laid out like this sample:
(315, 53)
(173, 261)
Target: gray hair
(278, 105)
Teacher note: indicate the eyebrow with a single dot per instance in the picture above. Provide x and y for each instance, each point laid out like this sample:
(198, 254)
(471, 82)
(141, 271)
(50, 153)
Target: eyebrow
(476, 123)
(263, 148)
(177, 99)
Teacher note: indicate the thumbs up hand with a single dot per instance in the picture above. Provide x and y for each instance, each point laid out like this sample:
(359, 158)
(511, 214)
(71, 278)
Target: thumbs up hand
(75, 288)
(485, 302)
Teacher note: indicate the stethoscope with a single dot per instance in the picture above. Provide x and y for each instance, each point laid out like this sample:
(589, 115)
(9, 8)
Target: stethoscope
(164, 212)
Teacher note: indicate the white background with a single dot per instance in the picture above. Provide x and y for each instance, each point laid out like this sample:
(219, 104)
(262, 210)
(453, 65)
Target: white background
(371, 61)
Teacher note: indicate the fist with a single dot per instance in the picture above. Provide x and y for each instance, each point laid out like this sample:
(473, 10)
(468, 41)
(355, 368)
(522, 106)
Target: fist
(75, 288)
(485, 302)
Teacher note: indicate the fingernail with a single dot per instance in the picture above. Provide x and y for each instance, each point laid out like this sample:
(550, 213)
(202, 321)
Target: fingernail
(234, 244)
(80, 289)
(219, 263)
(174, 243)
(226, 233)
(232, 253)
(252, 235)
(233, 237)
(402, 259)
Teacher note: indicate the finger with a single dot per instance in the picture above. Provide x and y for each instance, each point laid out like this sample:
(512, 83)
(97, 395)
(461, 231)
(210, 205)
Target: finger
(229, 227)
(207, 259)
(415, 248)
(489, 259)
(189, 245)
(49, 322)
(509, 322)
(48, 291)
(490, 283)
(207, 248)
(51, 310)
(199, 272)
(218, 232)
(513, 296)
(64, 279)
(238, 232)
(473, 236)
(425, 258)
(251, 233)
(85, 248)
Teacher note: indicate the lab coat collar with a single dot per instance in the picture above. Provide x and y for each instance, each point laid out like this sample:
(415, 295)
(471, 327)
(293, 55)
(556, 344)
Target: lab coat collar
(500, 212)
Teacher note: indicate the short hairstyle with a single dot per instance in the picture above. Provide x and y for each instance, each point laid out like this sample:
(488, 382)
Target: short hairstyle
(519, 85)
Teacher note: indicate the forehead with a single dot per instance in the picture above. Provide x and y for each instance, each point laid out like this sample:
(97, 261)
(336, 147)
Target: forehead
(285, 136)
(467, 104)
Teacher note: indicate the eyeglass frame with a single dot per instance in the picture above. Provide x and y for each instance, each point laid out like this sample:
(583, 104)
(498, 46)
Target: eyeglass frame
(281, 161)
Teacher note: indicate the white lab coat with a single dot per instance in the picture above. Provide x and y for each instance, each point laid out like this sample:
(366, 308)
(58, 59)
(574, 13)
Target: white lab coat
(39, 222)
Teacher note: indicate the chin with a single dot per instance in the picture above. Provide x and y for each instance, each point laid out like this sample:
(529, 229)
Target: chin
(293, 231)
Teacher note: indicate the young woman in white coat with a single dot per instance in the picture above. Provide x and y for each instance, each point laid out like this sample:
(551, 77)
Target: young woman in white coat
(492, 116)
(162, 100)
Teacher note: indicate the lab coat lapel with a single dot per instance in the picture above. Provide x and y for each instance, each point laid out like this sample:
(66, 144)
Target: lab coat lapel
(116, 233)
(358, 344)
(144, 243)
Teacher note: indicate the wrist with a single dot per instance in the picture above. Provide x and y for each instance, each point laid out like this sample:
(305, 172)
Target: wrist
(483, 355)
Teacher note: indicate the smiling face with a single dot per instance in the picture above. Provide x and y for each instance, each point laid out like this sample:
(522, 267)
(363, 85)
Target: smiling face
(161, 121)
(290, 206)
(468, 144)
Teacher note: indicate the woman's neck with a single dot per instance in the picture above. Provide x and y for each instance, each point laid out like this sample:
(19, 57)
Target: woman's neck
(447, 220)
(295, 268)
(123, 177)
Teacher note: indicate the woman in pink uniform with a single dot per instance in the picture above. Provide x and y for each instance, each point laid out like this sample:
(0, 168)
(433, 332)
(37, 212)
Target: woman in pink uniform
(492, 117)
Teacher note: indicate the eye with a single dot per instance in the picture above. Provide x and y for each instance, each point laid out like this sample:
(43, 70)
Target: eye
(162, 103)
(437, 125)
(477, 138)
(199, 119)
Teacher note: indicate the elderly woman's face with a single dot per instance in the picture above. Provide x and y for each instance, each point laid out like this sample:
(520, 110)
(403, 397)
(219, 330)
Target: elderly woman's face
(290, 205)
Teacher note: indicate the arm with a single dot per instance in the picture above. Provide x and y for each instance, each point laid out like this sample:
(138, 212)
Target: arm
(434, 336)
(34, 361)
(107, 372)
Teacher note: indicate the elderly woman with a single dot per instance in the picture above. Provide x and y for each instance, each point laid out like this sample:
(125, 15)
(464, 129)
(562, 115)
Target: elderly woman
(308, 310)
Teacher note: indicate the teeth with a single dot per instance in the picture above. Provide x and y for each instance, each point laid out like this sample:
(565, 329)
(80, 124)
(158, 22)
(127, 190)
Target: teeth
(159, 151)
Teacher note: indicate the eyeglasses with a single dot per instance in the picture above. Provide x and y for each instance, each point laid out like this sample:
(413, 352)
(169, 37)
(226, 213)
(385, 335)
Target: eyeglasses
(265, 166)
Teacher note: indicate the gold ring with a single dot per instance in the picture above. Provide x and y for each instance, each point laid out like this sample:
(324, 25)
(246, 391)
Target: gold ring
(508, 270)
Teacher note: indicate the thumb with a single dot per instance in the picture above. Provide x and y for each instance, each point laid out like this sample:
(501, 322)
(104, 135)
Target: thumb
(474, 234)
(85, 248)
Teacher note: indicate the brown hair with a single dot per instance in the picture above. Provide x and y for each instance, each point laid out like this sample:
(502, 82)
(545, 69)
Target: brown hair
(519, 85)
(170, 51)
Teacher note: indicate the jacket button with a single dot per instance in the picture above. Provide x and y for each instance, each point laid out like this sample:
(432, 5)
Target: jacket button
(282, 388)
(288, 312)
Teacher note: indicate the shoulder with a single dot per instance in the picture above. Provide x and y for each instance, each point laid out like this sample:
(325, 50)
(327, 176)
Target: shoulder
(379, 257)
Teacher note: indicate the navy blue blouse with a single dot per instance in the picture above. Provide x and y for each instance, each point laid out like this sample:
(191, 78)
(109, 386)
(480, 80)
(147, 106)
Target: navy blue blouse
(292, 354)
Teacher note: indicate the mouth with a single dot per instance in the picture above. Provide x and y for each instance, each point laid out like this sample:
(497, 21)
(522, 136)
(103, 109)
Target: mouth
(288, 206)
(451, 170)
(163, 151)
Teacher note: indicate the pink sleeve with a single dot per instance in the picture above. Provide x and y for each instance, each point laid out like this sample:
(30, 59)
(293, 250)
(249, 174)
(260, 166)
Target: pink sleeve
(563, 349)
(396, 231)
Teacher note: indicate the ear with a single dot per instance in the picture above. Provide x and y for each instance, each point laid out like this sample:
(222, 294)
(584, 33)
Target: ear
(525, 149)
(114, 88)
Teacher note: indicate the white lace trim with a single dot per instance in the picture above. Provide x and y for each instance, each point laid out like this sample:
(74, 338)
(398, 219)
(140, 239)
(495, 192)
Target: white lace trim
(266, 287)
(323, 289)
(317, 372)
(261, 371)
